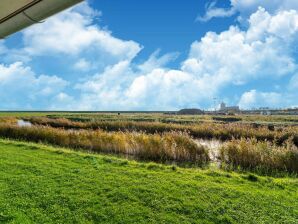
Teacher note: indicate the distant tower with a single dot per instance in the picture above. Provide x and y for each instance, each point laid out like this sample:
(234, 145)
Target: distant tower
(214, 100)
(222, 106)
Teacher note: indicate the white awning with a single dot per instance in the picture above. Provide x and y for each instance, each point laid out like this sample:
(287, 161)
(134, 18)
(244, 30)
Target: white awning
(16, 15)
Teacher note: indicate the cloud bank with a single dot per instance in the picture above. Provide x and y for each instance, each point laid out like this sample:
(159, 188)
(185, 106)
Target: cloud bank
(106, 76)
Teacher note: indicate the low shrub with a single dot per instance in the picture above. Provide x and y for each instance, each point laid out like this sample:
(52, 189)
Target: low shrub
(227, 119)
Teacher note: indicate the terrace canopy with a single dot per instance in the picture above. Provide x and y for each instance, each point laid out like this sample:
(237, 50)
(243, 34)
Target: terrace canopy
(16, 15)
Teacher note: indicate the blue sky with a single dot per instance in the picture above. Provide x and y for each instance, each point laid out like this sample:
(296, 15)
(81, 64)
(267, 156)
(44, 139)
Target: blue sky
(154, 55)
(168, 25)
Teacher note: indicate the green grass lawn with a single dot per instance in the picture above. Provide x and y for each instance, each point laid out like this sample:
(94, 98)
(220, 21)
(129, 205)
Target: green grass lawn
(41, 184)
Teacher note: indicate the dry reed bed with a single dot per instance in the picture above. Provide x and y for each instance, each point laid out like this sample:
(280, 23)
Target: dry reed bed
(168, 147)
(264, 156)
(222, 132)
(178, 147)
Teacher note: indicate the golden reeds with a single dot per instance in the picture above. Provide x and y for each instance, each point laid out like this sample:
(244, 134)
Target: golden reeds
(167, 147)
(254, 155)
(204, 130)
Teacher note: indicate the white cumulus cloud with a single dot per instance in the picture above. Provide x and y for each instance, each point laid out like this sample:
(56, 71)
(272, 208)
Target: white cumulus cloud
(232, 58)
(247, 7)
(20, 87)
(72, 33)
(256, 99)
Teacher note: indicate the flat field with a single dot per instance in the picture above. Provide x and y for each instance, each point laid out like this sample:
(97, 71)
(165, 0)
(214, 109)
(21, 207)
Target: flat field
(157, 116)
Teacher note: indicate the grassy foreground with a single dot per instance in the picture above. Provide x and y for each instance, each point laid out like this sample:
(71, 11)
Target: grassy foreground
(41, 184)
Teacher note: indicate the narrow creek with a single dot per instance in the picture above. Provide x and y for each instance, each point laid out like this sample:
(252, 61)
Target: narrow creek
(213, 146)
(22, 123)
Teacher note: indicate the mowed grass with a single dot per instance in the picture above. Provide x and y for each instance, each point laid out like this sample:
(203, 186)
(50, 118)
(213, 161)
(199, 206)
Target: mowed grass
(42, 184)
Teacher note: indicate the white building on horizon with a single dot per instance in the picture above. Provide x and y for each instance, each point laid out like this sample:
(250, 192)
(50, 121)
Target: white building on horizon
(224, 109)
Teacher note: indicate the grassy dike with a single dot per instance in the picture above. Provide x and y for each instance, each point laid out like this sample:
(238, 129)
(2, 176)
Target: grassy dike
(42, 184)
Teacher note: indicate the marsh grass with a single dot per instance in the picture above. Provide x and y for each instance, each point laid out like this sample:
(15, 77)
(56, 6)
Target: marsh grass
(175, 147)
(222, 132)
(250, 154)
(248, 147)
